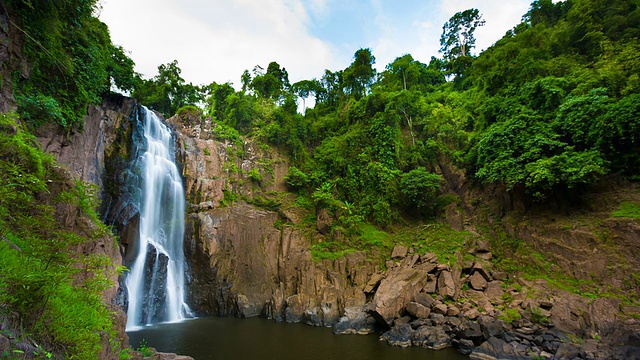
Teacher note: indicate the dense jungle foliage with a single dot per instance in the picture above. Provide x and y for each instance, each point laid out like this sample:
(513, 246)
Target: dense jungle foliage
(72, 61)
(51, 294)
(548, 110)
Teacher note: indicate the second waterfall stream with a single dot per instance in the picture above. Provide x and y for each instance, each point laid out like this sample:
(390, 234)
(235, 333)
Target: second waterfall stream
(155, 283)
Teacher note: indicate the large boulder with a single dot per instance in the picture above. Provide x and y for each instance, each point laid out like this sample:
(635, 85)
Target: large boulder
(495, 349)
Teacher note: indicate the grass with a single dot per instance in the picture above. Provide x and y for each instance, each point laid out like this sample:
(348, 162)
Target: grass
(510, 315)
(628, 209)
(439, 239)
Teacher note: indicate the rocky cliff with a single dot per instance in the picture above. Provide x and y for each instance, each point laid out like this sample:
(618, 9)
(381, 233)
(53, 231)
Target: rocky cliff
(249, 255)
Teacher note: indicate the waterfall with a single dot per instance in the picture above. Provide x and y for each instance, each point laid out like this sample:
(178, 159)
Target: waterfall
(155, 283)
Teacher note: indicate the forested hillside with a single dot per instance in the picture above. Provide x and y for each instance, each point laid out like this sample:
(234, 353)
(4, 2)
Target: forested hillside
(547, 111)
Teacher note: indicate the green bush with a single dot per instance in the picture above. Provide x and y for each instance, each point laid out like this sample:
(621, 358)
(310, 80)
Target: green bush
(39, 262)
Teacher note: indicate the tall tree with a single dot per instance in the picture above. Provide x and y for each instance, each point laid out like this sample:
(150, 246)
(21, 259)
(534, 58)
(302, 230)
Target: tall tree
(359, 76)
(457, 34)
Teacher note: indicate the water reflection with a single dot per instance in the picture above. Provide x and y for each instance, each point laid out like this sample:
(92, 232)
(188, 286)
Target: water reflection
(224, 338)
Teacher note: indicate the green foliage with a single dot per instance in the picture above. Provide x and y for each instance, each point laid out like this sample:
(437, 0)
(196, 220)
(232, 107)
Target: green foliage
(72, 61)
(627, 209)
(166, 92)
(510, 315)
(38, 256)
(537, 317)
(144, 349)
(296, 179)
(254, 175)
(420, 188)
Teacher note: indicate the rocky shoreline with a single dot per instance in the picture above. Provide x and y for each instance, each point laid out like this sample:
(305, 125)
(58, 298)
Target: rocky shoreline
(534, 323)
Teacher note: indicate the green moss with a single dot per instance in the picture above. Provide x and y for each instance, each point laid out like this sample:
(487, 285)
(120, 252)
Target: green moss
(627, 209)
(510, 315)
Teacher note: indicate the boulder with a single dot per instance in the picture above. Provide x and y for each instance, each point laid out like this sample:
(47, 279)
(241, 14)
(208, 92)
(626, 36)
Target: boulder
(465, 346)
(355, 321)
(418, 310)
(399, 335)
(494, 290)
(373, 283)
(430, 286)
(494, 349)
(324, 221)
(431, 337)
(472, 314)
(477, 282)
(440, 309)
(397, 290)
(424, 299)
(479, 268)
(399, 252)
(446, 285)
(452, 310)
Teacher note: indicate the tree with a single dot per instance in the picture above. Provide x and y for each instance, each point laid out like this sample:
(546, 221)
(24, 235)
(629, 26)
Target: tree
(457, 34)
(304, 88)
(359, 76)
(167, 91)
(270, 85)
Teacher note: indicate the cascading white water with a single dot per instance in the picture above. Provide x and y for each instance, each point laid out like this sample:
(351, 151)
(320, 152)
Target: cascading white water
(155, 283)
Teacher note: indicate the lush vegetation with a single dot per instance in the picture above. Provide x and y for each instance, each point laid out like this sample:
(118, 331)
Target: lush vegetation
(49, 291)
(72, 62)
(546, 112)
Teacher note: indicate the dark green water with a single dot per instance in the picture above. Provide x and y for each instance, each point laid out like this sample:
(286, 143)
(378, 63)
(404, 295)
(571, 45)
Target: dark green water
(225, 338)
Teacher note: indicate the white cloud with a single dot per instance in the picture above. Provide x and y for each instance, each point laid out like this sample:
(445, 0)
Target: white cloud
(500, 16)
(217, 40)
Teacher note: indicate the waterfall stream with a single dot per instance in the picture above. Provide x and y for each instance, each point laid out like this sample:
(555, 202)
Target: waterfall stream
(155, 283)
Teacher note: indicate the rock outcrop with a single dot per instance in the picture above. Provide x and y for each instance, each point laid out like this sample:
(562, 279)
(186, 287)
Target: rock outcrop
(248, 258)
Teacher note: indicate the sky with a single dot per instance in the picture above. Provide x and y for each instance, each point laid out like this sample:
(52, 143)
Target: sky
(216, 40)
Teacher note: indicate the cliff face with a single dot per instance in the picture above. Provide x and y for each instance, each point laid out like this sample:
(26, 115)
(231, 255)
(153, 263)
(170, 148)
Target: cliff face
(249, 258)
(85, 155)
(244, 261)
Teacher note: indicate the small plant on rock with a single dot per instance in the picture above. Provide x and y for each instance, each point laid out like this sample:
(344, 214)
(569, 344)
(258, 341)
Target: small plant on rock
(510, 315)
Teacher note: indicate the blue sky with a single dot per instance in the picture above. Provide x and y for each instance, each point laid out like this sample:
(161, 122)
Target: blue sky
(216, 40)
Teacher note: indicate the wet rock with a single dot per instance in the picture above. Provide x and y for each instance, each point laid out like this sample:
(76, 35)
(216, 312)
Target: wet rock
(438, 319)
(494, 349)
(355, 321)
(432, 337)
(471, 331)
(490, 326)
(399, 335)
(465, 346)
